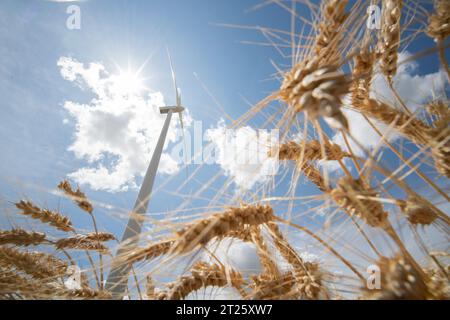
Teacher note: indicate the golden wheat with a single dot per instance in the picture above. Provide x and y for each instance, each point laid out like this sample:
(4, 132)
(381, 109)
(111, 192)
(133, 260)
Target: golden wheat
(330, 32)
(439, 24)
(20, 237)
(36, 264)
(390, 37)
(316, 89)
(54, 219)
(361, 200)
(90, 241)
(203, 275)
(201, 232)
(77, 196)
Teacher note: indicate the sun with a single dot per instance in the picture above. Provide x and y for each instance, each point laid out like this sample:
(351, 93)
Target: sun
(127, 83)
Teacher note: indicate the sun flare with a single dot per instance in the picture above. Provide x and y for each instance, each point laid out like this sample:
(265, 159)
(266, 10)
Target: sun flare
(127, 83)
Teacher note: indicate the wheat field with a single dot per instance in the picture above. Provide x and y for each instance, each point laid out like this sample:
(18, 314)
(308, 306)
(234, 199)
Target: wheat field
(364, 213)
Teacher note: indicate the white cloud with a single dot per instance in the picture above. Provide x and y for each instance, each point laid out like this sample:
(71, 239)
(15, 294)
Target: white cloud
(117, 130)
(414, 89)
(236, 254)
(243, 153)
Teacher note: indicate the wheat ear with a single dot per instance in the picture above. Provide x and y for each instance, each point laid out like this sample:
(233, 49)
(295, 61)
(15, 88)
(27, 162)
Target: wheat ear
(52, 218)
(20, 237)
(311, 151)
(330, 30)
(79, 197)
(265, 287)
(390, 37)
(219, 225)
(400, 281)
(416, 212)
(203, 275)
(36, 264)
(316, 90)
(362, 78)
(359, 199)
(90, 241)
(267, 261)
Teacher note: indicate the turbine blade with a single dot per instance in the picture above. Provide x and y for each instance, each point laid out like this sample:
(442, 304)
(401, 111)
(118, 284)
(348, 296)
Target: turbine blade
(174, 79)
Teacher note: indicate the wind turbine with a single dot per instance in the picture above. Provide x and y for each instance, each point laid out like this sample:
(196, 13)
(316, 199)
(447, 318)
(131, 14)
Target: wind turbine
(120, 270)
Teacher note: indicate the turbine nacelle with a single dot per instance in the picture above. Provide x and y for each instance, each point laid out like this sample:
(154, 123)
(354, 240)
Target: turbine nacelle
(174, 109)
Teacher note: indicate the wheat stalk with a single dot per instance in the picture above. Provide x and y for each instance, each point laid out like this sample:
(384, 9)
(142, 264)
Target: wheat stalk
(307, 275)
(218, 225)
(266, 287)
(20, 237)
(164, 247)
(359, 199)
(439, 141)
(39, 265)
(12, 283)
(410, 127)
(399, 281)
(390, 37)
(439, 22)
(203, 275)
(330, 33)
(316, 90)
(362, 78)
(310, 150)
(77, 196)
(91, 241)
(268, 263)
(151, 251)
(54, 219)
(416, 212)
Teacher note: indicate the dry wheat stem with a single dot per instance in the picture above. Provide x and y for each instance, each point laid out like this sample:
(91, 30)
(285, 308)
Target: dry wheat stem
(77, 196)
(355, 197)
(406, 161)
(362, 78)
(272, 288)
(316, 90)
(311, 151)
(417, 212)
(90, 241)
(330, 30)
(439, 22)
(400, 281)
(390, 37)
(39, 265)
(285, 249)
(54, 219)
(12, 283)
(203, 275)
(165, 247)
(235, 218)
(20, 237)
(268, 263)
(325, 244)
(307, 275)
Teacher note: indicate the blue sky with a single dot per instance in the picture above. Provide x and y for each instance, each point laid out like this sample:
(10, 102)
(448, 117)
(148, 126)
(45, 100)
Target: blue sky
(36, 130)
(34, 33)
